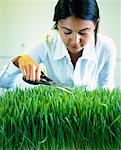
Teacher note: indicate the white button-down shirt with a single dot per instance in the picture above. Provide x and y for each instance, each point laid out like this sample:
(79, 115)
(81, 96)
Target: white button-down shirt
(95, 68)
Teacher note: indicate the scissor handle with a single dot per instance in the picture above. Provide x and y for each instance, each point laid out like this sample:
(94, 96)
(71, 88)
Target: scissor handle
(43, 76)
(36, 82)
(43, 80)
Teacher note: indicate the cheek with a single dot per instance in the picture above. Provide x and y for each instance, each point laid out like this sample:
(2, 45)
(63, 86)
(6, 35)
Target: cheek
(84, 41)
(65, 39)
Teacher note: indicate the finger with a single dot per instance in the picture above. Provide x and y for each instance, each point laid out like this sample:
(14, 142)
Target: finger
(23, 71)
(27, 69)
(33, 72)
(38, 72)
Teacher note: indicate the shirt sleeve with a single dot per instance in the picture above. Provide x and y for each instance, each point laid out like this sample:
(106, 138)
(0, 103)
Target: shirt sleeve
(8, 75)
(106, 76)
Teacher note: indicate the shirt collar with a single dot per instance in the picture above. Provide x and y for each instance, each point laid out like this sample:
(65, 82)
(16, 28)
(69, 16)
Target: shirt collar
(60, 49)
(88, 53)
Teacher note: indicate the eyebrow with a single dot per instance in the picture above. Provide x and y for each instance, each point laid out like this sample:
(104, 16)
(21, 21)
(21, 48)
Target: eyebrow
(79, 31)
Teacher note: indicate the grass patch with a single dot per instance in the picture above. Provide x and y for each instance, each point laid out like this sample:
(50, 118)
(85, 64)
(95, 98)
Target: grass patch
(49, 119)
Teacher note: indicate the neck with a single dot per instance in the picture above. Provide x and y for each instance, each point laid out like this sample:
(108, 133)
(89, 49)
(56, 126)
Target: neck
(74, 56)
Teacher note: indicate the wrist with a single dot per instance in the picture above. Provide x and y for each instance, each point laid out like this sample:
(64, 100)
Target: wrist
(16, 61)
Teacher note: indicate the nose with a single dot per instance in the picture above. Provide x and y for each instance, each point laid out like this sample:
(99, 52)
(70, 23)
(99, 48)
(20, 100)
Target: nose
(75, 39)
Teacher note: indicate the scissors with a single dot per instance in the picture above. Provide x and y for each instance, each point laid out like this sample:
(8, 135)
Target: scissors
(47, 81)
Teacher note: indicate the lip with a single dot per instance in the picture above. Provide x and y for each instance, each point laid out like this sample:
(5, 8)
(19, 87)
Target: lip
(75, 47)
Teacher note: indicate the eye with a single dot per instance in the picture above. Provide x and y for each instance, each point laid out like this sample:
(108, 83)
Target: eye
(83, 33)
(67, 32)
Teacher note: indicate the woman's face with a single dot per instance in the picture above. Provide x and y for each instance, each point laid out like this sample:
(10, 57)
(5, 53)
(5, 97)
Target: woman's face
(75, 32)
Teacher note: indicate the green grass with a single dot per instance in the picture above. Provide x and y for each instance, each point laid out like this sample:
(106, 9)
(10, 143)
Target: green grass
(46, 118)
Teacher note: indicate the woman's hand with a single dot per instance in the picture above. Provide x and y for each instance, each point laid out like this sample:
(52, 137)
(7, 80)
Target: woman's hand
(29, 68)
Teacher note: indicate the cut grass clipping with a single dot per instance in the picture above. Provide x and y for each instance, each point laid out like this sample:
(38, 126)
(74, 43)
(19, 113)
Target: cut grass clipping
(48, 118)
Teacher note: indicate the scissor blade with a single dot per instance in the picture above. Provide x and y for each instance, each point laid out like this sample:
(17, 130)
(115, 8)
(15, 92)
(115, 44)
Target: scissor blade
(61, 87)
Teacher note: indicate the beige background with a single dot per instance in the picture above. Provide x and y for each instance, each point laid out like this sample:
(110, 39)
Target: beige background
(22, 21)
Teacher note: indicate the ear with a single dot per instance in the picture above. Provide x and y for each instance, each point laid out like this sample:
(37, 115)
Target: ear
(55, 27)
(96, 23)
(58, 25)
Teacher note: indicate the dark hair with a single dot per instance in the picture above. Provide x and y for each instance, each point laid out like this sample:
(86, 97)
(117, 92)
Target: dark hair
(83, 9)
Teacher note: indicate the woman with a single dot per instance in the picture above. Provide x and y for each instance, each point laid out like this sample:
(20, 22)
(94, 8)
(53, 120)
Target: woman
(74, 53)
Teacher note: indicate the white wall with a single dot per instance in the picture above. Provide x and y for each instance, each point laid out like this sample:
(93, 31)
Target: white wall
(110, 25)
(22, 21)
